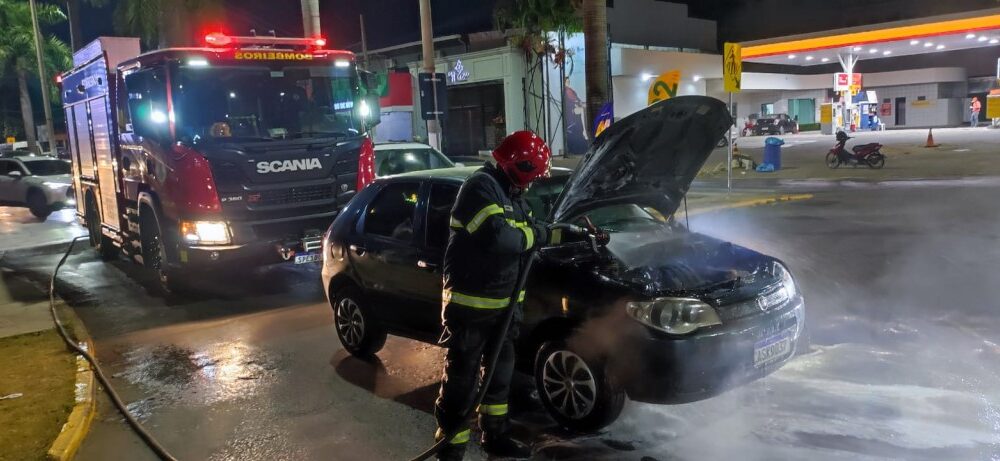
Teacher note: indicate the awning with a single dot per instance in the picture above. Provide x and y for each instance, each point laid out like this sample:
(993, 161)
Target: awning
(975, 29)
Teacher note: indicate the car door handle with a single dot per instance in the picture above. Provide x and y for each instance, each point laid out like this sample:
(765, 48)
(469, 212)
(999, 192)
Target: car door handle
(426, 265)
(359, 250)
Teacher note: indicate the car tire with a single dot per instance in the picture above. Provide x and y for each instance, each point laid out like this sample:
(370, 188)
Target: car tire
(360, 332)
(577, 393)
(38, 205)
(154, 255)
(102, 244)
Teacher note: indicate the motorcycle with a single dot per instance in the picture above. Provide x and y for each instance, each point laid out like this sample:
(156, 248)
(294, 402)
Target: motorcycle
(864, 154)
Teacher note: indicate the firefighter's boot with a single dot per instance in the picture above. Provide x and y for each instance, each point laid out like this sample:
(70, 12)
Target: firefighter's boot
(497, 439)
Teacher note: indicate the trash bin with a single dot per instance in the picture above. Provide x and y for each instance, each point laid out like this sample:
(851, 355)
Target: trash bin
(772, 151)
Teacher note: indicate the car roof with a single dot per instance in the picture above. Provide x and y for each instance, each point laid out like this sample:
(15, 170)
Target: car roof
(460, 173)
(401, 145)
(32, 158)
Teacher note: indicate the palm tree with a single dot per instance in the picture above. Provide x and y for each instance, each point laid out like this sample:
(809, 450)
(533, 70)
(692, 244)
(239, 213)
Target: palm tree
(162, 23)
(595, 42)
(17, 52)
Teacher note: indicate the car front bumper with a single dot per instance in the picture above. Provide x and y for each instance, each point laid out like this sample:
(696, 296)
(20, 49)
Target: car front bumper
(667, 369)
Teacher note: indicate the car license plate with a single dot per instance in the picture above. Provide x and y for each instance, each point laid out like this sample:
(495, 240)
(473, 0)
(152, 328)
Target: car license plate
(308, 258)
(772, 349)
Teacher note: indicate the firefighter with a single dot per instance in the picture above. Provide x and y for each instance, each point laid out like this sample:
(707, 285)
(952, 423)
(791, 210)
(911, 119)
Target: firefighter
(492, 231)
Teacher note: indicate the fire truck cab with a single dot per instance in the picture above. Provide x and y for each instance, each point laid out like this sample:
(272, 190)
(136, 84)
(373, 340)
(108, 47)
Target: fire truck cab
(232, 155)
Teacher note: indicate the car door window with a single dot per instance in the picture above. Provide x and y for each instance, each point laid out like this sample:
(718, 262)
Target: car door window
(5, 167)
(438, 213)
(392, 212)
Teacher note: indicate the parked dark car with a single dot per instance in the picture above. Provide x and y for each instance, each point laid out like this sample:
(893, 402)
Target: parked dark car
(660, 314)
(775, 124)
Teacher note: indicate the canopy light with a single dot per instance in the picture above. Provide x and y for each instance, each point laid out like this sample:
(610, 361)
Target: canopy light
(221, 39)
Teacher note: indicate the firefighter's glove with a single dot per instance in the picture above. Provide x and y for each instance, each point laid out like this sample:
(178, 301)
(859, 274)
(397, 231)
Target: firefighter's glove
(541, 234)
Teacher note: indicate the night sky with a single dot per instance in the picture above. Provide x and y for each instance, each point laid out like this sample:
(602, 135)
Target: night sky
(388, 22)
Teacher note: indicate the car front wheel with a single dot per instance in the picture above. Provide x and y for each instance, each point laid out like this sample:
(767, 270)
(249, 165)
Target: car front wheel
(359, 331)
(577, 392)
(38, 205)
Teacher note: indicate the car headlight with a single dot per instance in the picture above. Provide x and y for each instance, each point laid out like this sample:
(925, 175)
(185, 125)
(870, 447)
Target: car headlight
(206, 232)
(787, 282)
(676, 316)
(55, 185)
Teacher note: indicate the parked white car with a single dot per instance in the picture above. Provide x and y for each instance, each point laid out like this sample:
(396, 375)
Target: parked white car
(403, 157)
(43, 184)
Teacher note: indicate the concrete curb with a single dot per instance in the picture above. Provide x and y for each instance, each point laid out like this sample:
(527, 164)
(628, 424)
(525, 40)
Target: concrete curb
(752, 202)
(77, 426)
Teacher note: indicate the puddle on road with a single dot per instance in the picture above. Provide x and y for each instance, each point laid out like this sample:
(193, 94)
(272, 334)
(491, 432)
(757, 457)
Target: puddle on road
(169, 374)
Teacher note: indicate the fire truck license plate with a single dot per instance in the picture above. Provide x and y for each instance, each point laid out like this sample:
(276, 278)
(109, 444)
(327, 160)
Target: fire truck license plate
(772, 349)
(308, 258)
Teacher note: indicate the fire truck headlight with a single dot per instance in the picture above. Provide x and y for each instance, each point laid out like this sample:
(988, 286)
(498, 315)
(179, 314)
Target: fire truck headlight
(206, 232)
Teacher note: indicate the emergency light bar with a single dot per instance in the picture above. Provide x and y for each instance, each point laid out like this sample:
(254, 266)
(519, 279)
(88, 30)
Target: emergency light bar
(220, 39)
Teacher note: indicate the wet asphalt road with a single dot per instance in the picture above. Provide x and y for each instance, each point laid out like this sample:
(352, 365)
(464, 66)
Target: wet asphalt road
(902, 294)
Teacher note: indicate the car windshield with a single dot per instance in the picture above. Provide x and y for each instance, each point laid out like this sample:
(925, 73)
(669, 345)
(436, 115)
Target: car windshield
(263, 103)
(47, 167)
(403, 160)
(622, 217)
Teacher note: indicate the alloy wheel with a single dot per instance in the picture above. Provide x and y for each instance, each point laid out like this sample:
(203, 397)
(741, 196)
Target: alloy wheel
(350, 322)
(569, 384)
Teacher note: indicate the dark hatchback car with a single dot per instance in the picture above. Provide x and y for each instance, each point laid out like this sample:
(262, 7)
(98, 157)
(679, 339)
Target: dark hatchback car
(775, 124)
(660, 314)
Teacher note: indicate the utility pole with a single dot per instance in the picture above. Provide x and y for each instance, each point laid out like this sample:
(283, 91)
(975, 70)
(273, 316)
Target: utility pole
(42, 78)
(310, 18)
(427, 40)
(364, 42)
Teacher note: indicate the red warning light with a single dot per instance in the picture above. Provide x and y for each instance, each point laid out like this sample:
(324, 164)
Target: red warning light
(218, 39)
(319, 41)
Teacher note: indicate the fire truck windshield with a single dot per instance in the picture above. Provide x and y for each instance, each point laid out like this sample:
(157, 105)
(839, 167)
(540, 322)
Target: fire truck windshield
(245, 104)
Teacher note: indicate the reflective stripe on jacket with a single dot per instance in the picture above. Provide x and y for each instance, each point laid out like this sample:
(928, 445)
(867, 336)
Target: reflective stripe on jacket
(490, 233)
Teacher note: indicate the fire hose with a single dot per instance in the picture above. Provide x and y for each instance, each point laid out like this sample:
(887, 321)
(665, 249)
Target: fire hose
(136, 426)
(522, 279)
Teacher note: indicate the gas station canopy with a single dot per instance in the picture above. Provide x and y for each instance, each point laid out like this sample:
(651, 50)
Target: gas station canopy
(901, 38)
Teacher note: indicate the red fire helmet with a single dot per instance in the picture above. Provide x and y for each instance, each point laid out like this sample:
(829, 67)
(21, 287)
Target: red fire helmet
(524, 157)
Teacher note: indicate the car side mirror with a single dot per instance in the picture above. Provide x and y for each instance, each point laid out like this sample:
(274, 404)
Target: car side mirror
(15, 174)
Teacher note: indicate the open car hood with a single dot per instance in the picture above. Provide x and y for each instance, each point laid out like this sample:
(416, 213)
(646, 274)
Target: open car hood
(648, 158)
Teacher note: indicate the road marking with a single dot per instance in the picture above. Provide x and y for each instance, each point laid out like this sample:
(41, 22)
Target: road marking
(752, 202)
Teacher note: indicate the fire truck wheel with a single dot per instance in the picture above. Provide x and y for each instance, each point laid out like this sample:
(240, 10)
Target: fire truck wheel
(38, 205)
(102, 244)
(154, 256)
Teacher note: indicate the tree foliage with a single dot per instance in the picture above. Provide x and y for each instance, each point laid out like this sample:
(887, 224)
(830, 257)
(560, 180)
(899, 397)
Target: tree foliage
(17, 42)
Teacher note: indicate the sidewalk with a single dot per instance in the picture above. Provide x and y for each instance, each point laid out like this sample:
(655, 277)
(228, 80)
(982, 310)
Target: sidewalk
(40, 381)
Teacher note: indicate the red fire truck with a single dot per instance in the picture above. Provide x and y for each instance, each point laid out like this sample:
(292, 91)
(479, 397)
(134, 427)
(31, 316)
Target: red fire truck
(236, 154)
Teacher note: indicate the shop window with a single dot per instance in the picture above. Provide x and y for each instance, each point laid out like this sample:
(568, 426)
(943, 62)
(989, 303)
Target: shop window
(921, 98)
(767, 109)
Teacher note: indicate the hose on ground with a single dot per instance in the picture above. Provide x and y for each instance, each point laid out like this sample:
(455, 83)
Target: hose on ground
(136, 426)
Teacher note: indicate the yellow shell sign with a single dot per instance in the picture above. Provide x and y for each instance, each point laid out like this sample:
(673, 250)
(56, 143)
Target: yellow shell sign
(272, 55)
(664, 87)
